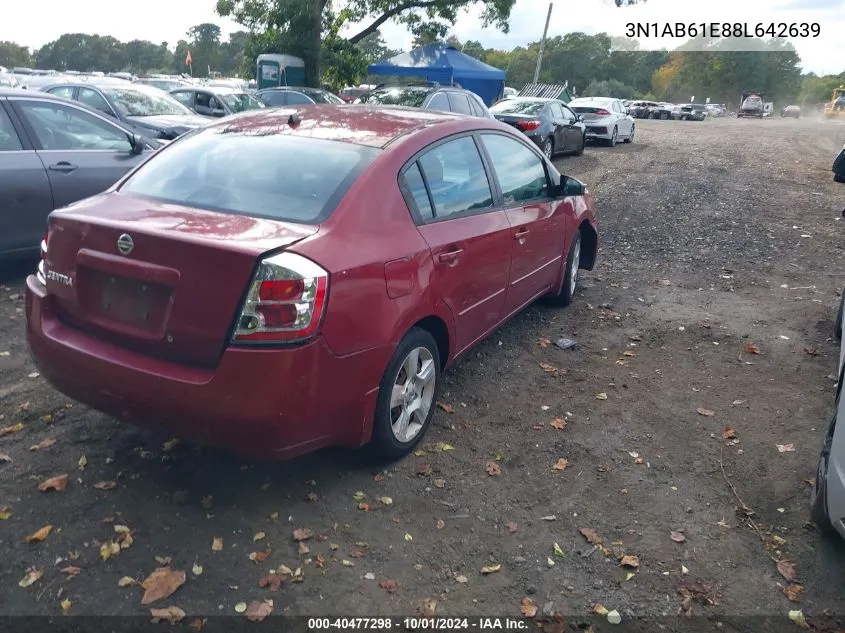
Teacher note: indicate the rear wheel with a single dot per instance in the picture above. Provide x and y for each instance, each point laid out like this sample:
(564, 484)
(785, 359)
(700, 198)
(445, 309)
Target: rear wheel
(549, 148)
(840, 315)
(407, 393)
(838, 178)
(630, 138)
(613, 137)
(818, 497)
(570, 275)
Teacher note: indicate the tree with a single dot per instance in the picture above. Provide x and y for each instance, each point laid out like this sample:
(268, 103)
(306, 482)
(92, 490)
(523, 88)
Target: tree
(12, 55)
(205, 46)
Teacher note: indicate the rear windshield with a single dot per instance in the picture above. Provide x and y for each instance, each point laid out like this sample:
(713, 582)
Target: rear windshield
(517, 106)
(290, 178)
(411, 97)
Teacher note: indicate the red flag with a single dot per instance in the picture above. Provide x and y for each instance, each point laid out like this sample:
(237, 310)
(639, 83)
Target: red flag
(188, 59)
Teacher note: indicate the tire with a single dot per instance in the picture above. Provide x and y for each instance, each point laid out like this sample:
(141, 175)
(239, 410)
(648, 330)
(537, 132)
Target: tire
(630, 138)
(838, 178)
(612, 141)
(570, 274)
(818, 497)
(386, 442)
(549, 148)
(840, 314)
(580, 149)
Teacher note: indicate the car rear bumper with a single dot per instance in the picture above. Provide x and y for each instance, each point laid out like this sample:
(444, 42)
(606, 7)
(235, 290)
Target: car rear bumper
(599, 130)
(259, 403)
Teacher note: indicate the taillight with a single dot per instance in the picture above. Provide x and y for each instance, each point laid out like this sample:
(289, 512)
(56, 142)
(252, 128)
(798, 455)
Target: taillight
(527, 126)
(285, 302)
(39, 272)
(602, 112)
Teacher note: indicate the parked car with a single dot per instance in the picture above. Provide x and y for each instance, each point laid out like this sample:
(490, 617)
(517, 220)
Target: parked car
(642, 109)
(548, 122)
(216, 102)
(284, 96)
(163, 84)
(827, 501)
(429, 97)
(350, 94)
(435, 227)
(149, 111)
(606, 119)
(54, 152)
(692, 112)
(792, 111)
(839, 166)
(664, 111)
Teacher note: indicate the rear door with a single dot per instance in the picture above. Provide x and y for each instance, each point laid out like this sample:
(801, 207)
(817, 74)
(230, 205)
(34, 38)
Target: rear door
(555, 115)
(537, 239)
(83, 153)
(452, 202)
(25, 196)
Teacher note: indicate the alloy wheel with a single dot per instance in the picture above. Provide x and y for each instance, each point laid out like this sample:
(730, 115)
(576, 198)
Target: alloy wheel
(573, 273)
(412, 394)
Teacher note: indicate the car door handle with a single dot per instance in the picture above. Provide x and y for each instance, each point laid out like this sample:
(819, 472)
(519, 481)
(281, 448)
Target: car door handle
(63, 166)
(451, 256)
(521, 235)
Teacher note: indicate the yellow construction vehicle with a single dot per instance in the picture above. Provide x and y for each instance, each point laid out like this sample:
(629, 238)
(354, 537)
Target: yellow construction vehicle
(836, 107)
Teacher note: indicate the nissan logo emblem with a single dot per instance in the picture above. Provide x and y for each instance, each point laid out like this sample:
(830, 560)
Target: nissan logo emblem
(125, 244)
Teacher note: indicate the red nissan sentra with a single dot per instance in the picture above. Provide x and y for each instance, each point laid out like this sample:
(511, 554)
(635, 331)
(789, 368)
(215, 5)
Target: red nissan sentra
(288, 279)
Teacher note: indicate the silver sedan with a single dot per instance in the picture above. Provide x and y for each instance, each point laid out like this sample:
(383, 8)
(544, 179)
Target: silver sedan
(607, 120)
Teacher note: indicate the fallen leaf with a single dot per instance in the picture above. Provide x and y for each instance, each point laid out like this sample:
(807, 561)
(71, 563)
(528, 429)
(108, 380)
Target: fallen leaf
(58, 483)
(439, 483)
(512, 527)
(82, 463)
(359, 496)
(271, 581)
(792, 591)
(549, 369)
(240, 607)
(445, 407)
(357, 553)
(460, 578)
(161, 583)
(65, 605)
(70, 570)
(126, 581)
(427, 607)
(558, 551)
(797, 616)
(302, 534)
(778, 540)
(6, 430)
(443, 447)
(684, 570)
(364, 506)
(32, 575)
(217, 544)
(259, 557)
(787, 570)
(599, 609)
(613, 617)
(106, 485)
(258, 610)
(259, 537)
(109, 549)
(630, 575)
(409, 538)
(164, 561)
(197, 624)
(629, 353)
(560, 464)
(424, 470)
(601, 396)
(303, 548)
(728, 433)
(558, 423)
(785, 448)
(312, 497)
(441, 524)
(751, 348)
(491, 569)
(629, 560)
(591, 535)
(549, 561)
(389, 586)
(379, 477)
(347, 563)
(5, 457)
(493, 469)
(39, 535)
(706, 412)
(284, 570)
(47, 442)
(677, 536)
(543, 342)
(5, 513)
(169, 445)
(168, 614)
(527, 607)
(196, 570)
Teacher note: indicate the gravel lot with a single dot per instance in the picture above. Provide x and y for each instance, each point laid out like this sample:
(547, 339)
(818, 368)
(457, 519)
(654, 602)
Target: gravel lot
(718, 240)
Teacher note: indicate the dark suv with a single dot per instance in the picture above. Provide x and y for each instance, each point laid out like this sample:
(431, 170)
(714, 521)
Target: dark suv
(429, 97)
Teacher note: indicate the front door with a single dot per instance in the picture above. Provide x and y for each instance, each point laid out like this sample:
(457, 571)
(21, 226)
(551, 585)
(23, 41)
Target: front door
(84, 154)
(470, 240)
(537, 235)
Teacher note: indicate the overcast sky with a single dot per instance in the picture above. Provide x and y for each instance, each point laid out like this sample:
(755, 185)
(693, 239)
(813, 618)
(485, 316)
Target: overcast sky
(36, 22)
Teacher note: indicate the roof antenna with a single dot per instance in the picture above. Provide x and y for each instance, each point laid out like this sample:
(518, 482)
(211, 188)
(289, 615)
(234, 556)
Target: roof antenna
(294, 120)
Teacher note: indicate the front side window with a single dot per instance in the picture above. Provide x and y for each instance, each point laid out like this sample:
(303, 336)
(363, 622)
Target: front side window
(185, 97)
(274, 97)
(282, 177)
(61, 127)
(94, 99)
(62, 91)
(456, 178)
(520, 171)
(138, 102)
(9, 141)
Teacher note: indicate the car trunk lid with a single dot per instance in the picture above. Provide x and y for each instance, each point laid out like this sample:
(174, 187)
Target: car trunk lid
(591, 113)
(161, 279)
(522, 122)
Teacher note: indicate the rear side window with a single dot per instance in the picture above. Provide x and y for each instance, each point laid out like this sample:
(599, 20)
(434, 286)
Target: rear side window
(62, 91)
(9, 140)
(413, 189)
(520, 171)
(439, 102)
(297, 98)
(459, 103)
(281, 177)
(456, 178)
(274, 97)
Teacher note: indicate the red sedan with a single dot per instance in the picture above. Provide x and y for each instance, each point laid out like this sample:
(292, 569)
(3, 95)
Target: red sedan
(287, 279)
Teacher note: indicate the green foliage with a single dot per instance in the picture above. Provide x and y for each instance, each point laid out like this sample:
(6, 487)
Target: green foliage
(609, 88)
(12, 55)
(204, 41)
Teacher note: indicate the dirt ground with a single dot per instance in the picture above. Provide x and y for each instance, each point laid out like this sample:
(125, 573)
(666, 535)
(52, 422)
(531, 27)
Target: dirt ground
(718, 240)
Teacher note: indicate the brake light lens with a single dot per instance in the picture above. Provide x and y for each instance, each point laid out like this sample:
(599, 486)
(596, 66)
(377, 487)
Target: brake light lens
(527, 126)
(285, 302)
(39, 272)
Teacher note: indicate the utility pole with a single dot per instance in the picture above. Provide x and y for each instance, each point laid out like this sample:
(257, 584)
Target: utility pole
(543, 44)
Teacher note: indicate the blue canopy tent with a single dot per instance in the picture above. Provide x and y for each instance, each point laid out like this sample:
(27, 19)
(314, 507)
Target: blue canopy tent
(446, 65)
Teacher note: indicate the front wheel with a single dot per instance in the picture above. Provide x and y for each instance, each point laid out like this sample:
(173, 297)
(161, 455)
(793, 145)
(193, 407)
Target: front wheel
(570, 275)
(407, 394)
(580, 149)
(840, 315)
(549, 148)
(818, 497)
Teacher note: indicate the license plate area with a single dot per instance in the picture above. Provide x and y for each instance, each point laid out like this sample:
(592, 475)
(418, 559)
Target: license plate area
(122, 303)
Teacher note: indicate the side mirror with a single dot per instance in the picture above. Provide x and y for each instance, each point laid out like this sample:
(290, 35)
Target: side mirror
(138, 143)
(218, 112)
(571, 187)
